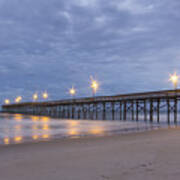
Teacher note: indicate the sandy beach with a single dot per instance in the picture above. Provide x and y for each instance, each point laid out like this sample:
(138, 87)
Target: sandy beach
(146, 155)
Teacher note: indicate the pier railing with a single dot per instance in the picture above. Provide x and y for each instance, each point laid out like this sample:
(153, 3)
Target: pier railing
(149, 106)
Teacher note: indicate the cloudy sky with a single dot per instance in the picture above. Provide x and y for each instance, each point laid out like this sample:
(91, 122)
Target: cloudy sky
(128, 45)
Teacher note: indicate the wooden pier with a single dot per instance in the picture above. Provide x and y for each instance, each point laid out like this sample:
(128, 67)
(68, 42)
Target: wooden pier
(149, 106)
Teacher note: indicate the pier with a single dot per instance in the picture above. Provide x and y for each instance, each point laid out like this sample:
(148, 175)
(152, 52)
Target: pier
(149, 105)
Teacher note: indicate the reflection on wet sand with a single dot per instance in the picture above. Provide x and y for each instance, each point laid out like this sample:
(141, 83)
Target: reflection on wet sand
(43, 127)
(6, 140)
(46, 136)
(73, 123)
(19, 128)
(73, 132)
(97, 131)
(35, 137)
(45, 119)
(38, 126)
(74, 129)
(18, 139)
(34, 118)
(18, 117)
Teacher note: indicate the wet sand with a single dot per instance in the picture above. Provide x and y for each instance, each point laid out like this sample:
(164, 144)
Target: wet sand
(147, 155)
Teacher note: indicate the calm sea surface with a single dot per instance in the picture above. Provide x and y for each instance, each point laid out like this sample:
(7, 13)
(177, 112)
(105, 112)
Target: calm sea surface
(19, 128)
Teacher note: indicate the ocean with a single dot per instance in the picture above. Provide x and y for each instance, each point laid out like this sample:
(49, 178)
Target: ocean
(18, 128)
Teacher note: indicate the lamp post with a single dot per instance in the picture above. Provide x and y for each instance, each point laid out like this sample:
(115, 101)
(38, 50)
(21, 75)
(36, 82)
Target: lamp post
(7, 101)
(45, 95)
(18, 99)
(35, 97)
(174, 79)
(94, 86)
(72, 91)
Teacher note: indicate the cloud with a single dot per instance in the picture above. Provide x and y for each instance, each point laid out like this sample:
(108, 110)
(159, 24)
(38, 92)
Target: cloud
(50, 45)
(85, 3)
(135, 6)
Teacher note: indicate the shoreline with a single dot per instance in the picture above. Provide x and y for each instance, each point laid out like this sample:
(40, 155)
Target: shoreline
(126, 131)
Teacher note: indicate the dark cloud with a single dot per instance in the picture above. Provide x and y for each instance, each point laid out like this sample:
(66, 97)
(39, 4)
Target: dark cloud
(128, 45)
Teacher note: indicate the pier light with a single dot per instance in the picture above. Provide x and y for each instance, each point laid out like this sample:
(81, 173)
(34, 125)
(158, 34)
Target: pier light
(94, 86)
(35, 97)
(18, 99)
(7, 101)
(174, 79)
(45, 95)
(72, 91)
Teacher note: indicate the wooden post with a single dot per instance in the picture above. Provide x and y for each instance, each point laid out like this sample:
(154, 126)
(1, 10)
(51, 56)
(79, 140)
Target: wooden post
(104, 110)
(168, 111)
(91, 111)
(125, 110)
(72, 112)
(145, 110)
(112, 105)
(84, 111)
(55, 111)
(137, 110)
(59, 111)
(151, 110)
(92, 116)
(78, 111)
(175, 110)
(68, 115)
(158, 110)
(120, 110)
(96, 106)
(132, 109)
(88, 109)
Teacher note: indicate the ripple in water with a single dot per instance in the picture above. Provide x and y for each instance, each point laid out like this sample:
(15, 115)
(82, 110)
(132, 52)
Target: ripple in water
(19, 128)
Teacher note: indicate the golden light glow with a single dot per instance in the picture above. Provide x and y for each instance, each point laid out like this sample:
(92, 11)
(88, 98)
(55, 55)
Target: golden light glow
(72, 123)
(35, 137)
(73, 132)
(7, 101)
(6, 140)
(94, 85)
(97, 131)
(18, 138)
(72, 91)
(18, 117)
(45, 95)
(34, 118)
(45, 136)
(174, 79)
(35, 97)
(45, 119)
(45, 127)
(18, 99)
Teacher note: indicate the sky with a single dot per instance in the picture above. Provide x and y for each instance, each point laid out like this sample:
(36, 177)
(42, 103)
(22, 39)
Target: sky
(50, 45)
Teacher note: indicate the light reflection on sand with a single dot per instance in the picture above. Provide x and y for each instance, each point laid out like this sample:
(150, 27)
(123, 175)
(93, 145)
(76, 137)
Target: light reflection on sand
(97, 130)
(18, 117)
(73, 131)
(6, 140)
(18, 139)
(35, 137)
(19, 128)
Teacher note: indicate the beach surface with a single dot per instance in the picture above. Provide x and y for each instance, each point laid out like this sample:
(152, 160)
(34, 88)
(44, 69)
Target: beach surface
(146, 155)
